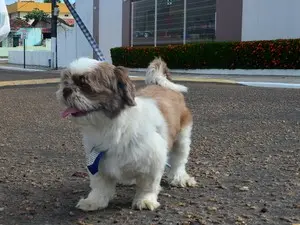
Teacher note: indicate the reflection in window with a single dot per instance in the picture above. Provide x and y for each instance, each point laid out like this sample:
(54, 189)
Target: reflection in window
(143, 22)
(199, 21)
(170, 21)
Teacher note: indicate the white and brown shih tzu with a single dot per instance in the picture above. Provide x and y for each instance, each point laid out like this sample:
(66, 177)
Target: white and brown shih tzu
(127, 135)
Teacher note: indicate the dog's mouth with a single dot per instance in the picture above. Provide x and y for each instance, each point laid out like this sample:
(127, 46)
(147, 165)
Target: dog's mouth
(73, 112)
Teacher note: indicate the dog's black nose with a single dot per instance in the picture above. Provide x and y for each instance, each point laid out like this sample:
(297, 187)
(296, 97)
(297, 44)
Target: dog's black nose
(67, 92)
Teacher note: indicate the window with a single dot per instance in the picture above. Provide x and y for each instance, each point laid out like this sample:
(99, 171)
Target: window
(174, 24)
(170, 21)
(200, 20)
(143, 22)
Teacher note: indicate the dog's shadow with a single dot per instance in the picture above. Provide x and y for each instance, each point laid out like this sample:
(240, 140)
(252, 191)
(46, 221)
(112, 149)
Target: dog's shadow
(56, 203)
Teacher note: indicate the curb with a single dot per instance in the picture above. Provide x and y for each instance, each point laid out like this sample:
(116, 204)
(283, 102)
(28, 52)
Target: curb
(233, 72)
(20, 69)
(193, 72)
(29, 82)
(182, 79)
(135, 78)
(192, 79)
(204, 80)
(270, 84)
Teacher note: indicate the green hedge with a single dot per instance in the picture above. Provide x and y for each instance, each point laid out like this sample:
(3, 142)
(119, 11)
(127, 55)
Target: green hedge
(278, 54)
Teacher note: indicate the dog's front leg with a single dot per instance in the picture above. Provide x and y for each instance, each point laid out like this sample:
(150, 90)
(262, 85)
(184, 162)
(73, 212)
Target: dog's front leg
(103, 190)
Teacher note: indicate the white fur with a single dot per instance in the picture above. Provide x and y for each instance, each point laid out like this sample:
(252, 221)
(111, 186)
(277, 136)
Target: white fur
(156, 75)
(137, 150)
(82, 65)
(178, 159)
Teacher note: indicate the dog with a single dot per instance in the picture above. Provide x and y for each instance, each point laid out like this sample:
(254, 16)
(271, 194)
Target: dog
(128, 135)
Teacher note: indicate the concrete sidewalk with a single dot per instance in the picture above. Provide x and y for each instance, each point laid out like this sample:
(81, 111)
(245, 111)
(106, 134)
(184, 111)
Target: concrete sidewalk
(235, 78)
(16, 75)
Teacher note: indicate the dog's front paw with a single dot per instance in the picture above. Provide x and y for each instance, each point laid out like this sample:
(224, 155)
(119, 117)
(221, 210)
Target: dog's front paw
(90, 205)
(146, 203)
(184, 181)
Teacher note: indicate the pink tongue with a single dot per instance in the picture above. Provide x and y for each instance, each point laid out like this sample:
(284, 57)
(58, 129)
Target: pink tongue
(68, 112)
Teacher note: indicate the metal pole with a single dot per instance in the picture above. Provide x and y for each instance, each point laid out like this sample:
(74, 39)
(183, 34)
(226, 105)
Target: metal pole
(155, 24)
(24, 43)
(132, 14)
(56, 58)
(184, 21)
(54, 33)
(215, 21)
(96, 26)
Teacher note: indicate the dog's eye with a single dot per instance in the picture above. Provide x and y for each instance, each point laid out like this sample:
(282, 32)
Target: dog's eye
(85, 86)
(80, 81)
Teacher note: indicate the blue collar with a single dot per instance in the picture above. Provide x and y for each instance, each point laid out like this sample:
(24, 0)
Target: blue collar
(93, 159)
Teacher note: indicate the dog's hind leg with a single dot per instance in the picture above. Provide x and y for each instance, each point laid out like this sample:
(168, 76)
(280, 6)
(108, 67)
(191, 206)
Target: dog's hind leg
(178, 157)
(148, 183)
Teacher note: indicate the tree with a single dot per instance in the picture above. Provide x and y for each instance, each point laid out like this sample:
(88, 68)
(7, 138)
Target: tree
(37, 15)
(49, 1)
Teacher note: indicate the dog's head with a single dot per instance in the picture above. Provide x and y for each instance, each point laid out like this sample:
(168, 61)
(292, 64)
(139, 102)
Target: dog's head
(88, 85)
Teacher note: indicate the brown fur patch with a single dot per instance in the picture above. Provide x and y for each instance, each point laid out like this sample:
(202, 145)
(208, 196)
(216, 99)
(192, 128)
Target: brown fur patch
(173, 107)
(125, 85)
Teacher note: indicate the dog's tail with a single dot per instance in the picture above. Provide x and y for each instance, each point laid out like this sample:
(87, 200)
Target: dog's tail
(158, 73)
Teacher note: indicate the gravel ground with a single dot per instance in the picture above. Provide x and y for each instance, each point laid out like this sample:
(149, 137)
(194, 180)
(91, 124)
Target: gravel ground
(245, 156)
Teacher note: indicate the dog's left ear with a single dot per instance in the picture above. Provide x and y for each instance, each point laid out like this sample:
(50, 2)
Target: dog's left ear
(125, 86)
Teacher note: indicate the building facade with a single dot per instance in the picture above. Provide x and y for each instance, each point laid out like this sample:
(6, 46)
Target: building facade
(160, 22)
(116, 23)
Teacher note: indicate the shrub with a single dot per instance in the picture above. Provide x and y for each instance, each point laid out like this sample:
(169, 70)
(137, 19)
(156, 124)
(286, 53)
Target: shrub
(277, 54)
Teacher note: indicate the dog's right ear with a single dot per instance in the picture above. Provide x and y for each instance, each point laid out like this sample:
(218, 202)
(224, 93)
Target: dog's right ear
(125, 86)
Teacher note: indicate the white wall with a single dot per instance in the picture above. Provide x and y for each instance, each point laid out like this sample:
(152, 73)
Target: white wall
(110, 26)
(270, 19)
(72, 43)
(66, 46)
(84, 9)
(33, 58)
(110, 31)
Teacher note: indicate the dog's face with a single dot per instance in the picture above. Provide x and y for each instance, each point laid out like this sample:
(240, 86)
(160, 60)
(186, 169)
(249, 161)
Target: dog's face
(95, 86)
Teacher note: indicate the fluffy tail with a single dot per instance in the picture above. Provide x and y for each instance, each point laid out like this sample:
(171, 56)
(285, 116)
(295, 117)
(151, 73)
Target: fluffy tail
(158, 73)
